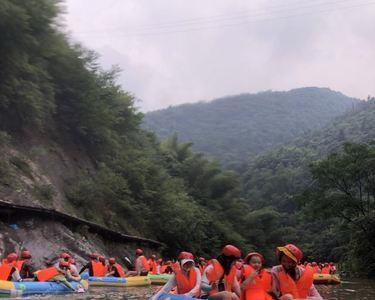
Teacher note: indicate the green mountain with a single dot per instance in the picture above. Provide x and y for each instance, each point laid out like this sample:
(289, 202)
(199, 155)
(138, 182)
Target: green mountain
(234, 128)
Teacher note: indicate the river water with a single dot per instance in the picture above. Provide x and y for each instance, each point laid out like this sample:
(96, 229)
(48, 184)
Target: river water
(348, 290)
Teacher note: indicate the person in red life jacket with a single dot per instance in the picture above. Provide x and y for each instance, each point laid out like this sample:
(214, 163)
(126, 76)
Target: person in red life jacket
(326, 269)
(289, 281)
(8, 270)
(166, 268)
(257, 281)
(202, 264)
(152, 263)
(219, 279)
(94, 266)
(60, 274)
(315, 267)
(141, 265)
(186, 277)
(25, 266)
(104, 266)
(115, 270)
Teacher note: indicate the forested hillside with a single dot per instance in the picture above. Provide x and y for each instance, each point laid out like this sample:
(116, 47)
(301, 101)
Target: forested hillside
(234, 128)
(277, 185)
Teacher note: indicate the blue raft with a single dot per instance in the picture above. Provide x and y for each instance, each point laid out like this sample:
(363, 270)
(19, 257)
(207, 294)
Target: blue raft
(16, 289)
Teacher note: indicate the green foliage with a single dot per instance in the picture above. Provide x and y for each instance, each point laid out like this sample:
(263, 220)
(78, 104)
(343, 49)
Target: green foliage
(44, 192)
(234, 128)
(5, 173)
(22, 165)
(344, 188)
(26, 92)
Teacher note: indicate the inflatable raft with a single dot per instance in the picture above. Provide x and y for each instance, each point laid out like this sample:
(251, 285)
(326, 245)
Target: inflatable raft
(117, 281)
(26, 288)
(326, 279)
(160, 279)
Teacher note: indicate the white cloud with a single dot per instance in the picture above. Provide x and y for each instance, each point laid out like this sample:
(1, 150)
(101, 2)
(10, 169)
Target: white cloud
(192, 52)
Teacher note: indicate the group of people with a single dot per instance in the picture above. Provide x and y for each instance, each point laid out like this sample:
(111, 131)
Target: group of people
(231, 277)
(322, 268)
(226, 277)
(16, 267)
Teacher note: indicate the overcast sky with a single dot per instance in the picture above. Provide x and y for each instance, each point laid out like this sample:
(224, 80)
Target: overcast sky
(178, 51)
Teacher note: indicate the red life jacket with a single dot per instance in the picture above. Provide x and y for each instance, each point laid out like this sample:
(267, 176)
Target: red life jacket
(163, 268)
(19, 265)
(152, 264)
(98, 270)
(257, 290)
(186, 282)
(47, 274)
(299, 289)
(316, 269)
(326, 270)
(120, 270)
(144, 262)
(5, 271)
(216, 273)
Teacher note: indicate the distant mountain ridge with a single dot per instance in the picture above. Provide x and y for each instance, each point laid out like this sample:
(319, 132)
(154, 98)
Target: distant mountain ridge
(234, 128)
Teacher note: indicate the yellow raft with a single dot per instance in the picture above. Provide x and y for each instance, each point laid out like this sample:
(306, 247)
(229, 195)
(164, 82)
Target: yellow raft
(326, 279)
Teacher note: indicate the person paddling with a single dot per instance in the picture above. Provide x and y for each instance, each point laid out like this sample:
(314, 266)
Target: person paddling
(257, 281)
(94, 266)
(289, 281)
(8, 269)
(219, 279)
(186, 277)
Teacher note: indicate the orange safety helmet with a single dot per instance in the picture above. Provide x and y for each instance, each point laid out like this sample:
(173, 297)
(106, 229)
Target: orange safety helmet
(230, 250)
(26, 254)
(112, 260)
(250, 254)
(185, 255)
(12, 257)
(292, 251)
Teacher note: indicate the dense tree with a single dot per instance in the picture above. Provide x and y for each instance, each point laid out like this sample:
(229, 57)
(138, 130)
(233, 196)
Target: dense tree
(344, 187)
